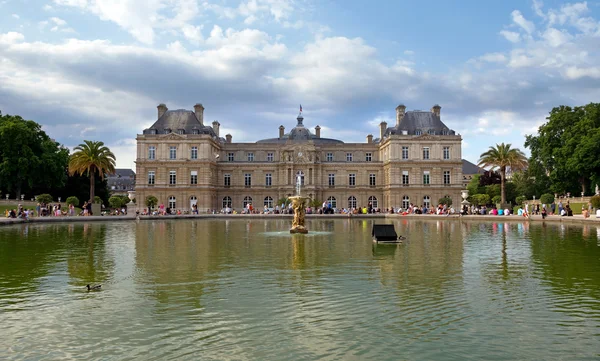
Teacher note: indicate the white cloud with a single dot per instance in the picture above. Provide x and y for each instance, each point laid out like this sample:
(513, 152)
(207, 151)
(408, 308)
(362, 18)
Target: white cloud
(58, 21)
(16, 16)
(574, 72)
(520, 20)
(11, 38)
(493, 58)
(47, 8)
(511, 36)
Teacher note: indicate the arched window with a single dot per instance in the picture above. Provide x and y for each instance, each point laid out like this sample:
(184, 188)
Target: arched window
(351, 202)
(331, 200)
(227, 202)
(405, 202)
(301, 175)
(247, 199)
(193, 201)
(426, 201)
(269, 202)
(172, 202)
(373, 202)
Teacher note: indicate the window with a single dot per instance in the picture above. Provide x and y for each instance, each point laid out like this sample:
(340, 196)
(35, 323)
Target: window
(446, 152)
(195, 131)
(181, 131)
(268, 202)
(172, 152)
(426, 201)
(268, 179)
(426, 178)
(247, 200)
(151, 177)
(368, 157)
(348, 157)
(404, 152)
(330, 157)
(230, 157)
(445, 132)
(405, 202)
(194, 177)
(269, 157)
(417, 132)
(151, 152)
(373, 202)
(194, 153)
(351, 202)
(227, 180)
(331, 180)
(172, 177)
(248, 180)
(372, 180)
(425, 152)
(172, 202)
(250, 157)
(331, 200)
(227, 202)
(405, 177)
(301, 175)
(352, 179)
(446, 177)
(431, 132)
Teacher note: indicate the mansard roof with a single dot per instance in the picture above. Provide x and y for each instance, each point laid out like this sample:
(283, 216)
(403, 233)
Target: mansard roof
(418, 120)
(300, 134)
(180, 119)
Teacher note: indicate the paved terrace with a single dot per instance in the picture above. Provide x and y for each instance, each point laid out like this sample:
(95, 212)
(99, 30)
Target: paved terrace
(577, 219)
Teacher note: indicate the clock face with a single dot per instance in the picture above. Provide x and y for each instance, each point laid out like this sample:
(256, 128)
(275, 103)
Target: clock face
(299, 154)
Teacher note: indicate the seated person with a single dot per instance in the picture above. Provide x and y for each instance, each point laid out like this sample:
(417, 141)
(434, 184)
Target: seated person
(501, 212)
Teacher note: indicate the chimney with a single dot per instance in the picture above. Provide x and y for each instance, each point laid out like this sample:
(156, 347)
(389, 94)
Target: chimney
(382, 128)
(199, 110)
(370, 138)
(228, 138)
(216, 126)
(400, 111)
(318, 131)
(162, 109)
(436, 110)
(281, 131)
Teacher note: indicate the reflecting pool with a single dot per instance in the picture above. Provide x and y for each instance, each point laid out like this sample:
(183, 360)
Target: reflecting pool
(238, 289)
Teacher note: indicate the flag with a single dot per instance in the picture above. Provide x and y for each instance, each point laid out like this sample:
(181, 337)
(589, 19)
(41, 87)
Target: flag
(300, 108)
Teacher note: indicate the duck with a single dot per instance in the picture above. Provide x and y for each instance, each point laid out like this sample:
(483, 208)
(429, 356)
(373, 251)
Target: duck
(93, 288)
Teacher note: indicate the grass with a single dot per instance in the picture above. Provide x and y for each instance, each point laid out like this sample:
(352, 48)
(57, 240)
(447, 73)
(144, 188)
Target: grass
(576, 207)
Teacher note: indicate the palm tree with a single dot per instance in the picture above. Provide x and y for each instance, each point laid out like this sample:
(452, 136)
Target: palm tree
(502, 157)
(92, 157)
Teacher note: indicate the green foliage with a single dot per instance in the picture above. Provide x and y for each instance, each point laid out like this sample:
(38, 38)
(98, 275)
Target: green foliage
(97, 200)
(547, 198)
(314, 203)
(92, 157)
(480, 199)
(116, 201)
(520, 199)
(596, 202)
(496, 199)
(283, 200)
(493, 190)
(474, 186)
(502, 156)
(29, 158)
(445, 200)
(567, 148)
(151, 201)
(73, 200)
(44, 198)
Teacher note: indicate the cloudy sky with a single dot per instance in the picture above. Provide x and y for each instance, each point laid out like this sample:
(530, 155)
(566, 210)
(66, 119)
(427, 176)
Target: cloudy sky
(97, 69)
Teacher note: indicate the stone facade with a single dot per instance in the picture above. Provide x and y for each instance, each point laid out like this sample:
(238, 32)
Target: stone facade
(181, 162)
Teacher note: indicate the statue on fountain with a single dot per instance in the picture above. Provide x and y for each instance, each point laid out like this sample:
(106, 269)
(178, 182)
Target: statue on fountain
(298, 205)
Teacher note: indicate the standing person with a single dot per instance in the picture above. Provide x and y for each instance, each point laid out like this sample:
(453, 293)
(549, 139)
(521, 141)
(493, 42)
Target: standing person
(560, 207)
(85, 208)
(89, 208)
(552, 208)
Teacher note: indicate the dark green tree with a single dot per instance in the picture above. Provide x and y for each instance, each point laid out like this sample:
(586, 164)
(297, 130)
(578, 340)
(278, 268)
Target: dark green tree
(29, 158)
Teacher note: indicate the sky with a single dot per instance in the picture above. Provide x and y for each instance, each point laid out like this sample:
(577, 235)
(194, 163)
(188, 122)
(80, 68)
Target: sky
(97, 69)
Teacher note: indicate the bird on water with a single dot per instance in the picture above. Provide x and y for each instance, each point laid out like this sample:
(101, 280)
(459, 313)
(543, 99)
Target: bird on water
(93, 288)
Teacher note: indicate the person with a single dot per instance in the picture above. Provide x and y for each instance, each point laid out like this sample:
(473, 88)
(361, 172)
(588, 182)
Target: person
(544, 212)
(552, 208)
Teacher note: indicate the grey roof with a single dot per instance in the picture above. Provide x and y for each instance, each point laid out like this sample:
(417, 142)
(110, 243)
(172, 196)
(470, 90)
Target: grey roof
(300, 134)
(123, 179)
(175, 120)
(470, 168)
(418, 120)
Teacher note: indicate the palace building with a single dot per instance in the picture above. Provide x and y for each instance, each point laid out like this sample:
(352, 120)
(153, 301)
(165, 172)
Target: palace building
(182, 161)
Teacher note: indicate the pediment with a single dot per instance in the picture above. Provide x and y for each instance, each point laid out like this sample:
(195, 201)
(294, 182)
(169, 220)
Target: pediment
(425, 137)
(172, 136)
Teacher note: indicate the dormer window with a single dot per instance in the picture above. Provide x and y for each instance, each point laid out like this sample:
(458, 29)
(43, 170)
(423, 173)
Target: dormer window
(445, 132)
(167, 130)
(431, 132)
(195, 131)
(417, 132)
(181, 131)
(153, 131)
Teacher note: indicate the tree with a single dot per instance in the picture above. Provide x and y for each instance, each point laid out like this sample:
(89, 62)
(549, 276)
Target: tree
(29, 158)
(547, 198)
(151, 201)
(92, 157)
(502, 157)
(44, 198)
(73, 200)
(445, 200)
(116, 202)
(567, 146)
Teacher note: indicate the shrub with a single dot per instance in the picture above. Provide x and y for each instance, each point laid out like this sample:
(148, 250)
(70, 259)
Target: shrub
(151, 201)
(73, 200)
(547, 198)
(520, 199)
(44, 198)
(496, 199)
(596, 202)
(480, 199)
(445, 200)
(97, 200)
(115, 201)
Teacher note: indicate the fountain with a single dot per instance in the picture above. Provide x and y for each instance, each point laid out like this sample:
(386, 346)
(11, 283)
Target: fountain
(298, 204)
